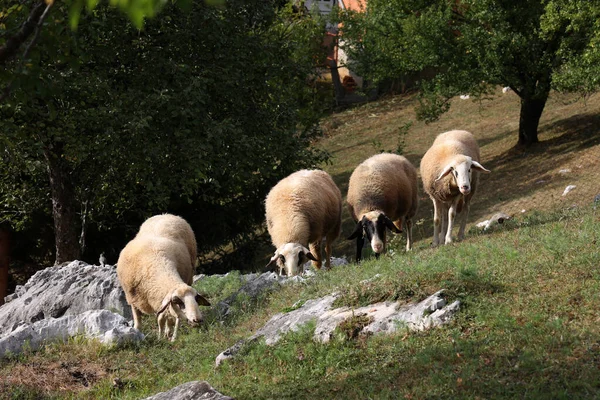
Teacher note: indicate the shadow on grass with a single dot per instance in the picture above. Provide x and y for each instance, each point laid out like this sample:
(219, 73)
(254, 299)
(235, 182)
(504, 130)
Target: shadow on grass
(446, 372)
(518, 175)
(464, 360)
(520, 172)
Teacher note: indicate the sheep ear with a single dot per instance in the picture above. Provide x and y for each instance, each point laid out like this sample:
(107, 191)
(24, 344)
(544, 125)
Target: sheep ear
(176, 300)
(164, 305)
(445, 172)
(390, 225)
(310, 256)
(358, 230)
(480, 167)
(201, 300)
(272, 263)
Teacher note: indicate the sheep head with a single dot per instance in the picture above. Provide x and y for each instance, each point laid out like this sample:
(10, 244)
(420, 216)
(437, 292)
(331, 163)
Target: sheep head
(461, 172)
(373, 225)
(183, 303)
(290, 257)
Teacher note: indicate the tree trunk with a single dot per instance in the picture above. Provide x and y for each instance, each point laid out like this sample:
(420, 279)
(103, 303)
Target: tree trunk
(531, 112)
(63, 208)
(338, 89)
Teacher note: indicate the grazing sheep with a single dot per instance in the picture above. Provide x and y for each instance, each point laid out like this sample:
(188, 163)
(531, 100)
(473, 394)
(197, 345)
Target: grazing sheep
(301, 210)
(450, 171)
(382, 193)
(156, 270)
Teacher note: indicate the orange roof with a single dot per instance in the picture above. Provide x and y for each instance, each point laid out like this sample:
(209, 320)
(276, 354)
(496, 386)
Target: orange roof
(356, 5)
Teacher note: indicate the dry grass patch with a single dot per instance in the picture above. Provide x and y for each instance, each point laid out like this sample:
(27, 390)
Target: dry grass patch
(521, 179)
(57, 370)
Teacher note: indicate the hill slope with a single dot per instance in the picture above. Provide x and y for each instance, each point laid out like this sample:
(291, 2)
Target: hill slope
(529, 290)
(531, 179)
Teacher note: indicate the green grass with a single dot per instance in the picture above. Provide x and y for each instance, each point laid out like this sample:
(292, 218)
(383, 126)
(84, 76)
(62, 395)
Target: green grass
(528, 328)
(529, 288)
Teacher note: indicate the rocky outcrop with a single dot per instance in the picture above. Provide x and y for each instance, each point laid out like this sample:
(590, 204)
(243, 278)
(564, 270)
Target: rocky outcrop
(64, 290)
(259, 284)
(373, 319)
(196, 390)
(387, 317)
(282, 323)
(106, 326)
(64, 301)
(256, 284)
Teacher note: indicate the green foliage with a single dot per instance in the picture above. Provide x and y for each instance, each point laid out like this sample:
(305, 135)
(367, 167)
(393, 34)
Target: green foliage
(454, 48)
(199, 115)
(136, 10)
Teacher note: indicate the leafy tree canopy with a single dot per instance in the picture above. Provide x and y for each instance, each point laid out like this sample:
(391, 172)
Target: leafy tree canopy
(468, 46)
(199, 114)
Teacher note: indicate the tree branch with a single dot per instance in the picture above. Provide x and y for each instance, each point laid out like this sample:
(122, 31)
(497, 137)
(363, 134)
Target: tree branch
(12, 45)
(34, 23)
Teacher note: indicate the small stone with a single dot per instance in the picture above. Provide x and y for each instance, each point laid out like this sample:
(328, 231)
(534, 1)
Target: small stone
(196, 390)
(568, 189)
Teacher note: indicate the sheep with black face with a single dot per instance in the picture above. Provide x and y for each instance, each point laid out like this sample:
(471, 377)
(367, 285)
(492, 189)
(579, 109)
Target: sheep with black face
(382, 194)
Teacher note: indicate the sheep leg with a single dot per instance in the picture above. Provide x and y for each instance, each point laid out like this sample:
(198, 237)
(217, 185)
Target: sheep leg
(328, 253)
(137, 317)
(408, 224)
(438, 209)
(161, 322)
(463, 221)
(315, 249)
(360, 242)
(175, 329)
(451, 217)
(444, 229)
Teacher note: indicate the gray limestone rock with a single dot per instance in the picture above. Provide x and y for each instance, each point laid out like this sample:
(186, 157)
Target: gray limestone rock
(106, 326)
(256, 285)
(380, 317)
(389, 317)
(282, 323)
(64, 290)
(196, 390)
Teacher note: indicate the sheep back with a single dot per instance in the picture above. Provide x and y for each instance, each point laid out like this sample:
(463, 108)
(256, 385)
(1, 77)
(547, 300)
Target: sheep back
(303, 207)
(385, 182)
(175, 228)
(149, 267)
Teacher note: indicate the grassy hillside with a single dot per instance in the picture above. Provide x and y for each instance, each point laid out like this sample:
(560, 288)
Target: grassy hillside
(521, 179)
(528, 325)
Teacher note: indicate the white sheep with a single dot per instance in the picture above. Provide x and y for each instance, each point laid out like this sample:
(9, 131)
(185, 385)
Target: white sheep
(450, 172)
(156, 270)
(301, 210)
(382, 193)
